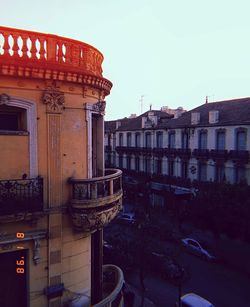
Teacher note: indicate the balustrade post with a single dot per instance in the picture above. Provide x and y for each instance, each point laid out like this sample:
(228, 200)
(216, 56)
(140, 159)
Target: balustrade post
(51, 49)
(111, 187)
(93, 188)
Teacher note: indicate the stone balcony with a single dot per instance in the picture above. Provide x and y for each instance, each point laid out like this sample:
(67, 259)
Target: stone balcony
(113, 282)
(37, 55)
(95, 202)
(21, 199)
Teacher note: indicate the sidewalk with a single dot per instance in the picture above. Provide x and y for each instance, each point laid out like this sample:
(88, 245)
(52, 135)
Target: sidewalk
(138, 300)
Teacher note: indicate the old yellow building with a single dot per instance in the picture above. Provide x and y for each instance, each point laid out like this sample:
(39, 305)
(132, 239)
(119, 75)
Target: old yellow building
(55, 195)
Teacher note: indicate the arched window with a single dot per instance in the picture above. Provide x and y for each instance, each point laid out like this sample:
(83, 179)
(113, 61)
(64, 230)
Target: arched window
(241, 139)
(171, 139)
(203, 139)
(220, 139)
(120, 139)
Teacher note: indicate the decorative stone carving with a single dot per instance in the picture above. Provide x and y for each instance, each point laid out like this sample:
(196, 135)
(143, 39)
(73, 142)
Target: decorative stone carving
(90, 220)
(4, 99)
(54, 99)
(99, 107)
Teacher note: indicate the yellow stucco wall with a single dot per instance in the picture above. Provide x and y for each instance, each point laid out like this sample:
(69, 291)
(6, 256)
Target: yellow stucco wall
(14, 156)
(74, 268)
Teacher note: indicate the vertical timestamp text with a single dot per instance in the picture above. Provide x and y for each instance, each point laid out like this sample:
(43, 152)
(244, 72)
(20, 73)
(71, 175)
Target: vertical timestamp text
(20, 262)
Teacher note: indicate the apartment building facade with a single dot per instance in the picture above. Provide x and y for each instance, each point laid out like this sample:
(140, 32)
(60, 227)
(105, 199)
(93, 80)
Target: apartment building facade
(208, 143)
(55, 193)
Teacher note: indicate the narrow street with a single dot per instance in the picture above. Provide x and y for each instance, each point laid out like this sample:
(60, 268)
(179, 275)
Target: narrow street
(219, 283)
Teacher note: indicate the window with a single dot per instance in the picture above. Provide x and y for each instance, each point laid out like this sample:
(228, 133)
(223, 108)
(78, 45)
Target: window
(171, 140)
(184, 169)
(137, 140)
(171, 168)
(220, 175)
(137, 164)
(202, 171)
(120, 161)
(184, 140)
(129, 139)
(109, 140)
(241, 140)
(120, 139)
(220, 140)
(158, 166)
(159, 140)
(148, 140)
(147, 165)
(128, 162)
(203, 139)
(240, 174)
(12, 118)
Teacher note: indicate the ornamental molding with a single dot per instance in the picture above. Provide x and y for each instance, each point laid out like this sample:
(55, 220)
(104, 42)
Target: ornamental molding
(88, 221)
(99, 107)
(54, 100)
(4, 99)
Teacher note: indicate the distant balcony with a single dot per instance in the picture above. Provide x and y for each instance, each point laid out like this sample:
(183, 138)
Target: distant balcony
(45, 56)
(21, 196)
(128, 149)
(96, 201)
(183, 153)
(218, 154)
(113, 282)
(201, 154)
(241, 156)
(157, 151)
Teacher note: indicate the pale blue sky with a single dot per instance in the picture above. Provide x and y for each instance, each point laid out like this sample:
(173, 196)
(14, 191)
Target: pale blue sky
(172, 52)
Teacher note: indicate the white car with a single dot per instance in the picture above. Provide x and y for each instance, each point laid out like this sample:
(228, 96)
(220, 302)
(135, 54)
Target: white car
(194, 300)
(195, 247)
(127, 217)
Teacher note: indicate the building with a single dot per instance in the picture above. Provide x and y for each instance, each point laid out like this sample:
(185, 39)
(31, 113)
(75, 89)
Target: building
(208, 143)
(55, 194)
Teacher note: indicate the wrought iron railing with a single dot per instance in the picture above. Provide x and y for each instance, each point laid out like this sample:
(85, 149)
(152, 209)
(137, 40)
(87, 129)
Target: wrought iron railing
(21, 195)
(239, 155)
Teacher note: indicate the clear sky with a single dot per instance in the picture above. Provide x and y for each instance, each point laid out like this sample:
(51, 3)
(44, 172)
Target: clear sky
(174, 52)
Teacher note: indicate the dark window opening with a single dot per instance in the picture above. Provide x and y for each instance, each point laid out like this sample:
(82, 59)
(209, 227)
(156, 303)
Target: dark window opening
(12, 118)
(171, 168)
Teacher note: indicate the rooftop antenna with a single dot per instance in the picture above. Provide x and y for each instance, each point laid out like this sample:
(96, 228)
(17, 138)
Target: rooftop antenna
(141, 101)
(206, 99)
(150, 106)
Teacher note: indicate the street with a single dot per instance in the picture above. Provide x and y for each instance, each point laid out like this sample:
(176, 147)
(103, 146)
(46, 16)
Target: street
(218, 283)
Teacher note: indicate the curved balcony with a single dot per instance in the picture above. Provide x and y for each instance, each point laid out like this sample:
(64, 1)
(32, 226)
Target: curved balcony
(113, 281)
(95, 202)
(46, 56)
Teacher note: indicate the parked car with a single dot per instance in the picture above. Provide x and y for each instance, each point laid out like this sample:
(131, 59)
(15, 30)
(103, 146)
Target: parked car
(127, 217)
(195, 248)
(194, 300)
